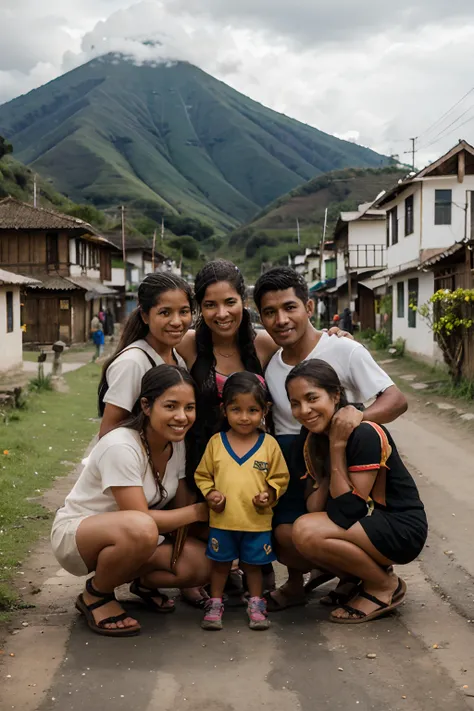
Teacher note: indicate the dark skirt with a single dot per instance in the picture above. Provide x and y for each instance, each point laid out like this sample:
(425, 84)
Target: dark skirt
(399, 536)
(292, 504)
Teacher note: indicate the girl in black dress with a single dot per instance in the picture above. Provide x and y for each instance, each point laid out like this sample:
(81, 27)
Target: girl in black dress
(365, 510)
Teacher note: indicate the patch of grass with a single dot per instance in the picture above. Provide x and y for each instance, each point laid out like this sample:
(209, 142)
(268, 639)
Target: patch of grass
(40, 384)
(463, 390)
(40, 445)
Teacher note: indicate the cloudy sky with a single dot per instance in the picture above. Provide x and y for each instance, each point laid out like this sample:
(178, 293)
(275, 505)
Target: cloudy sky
(373, 71)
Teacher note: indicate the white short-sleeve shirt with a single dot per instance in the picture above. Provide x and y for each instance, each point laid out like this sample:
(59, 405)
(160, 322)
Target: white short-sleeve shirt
(124, 375)
(120, 459)
(361, 377)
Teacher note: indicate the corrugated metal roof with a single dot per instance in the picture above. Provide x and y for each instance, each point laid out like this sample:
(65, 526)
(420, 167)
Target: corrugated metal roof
(442, 254)
(92, 286)
(53, 282)
(400, 269)
(15, 279)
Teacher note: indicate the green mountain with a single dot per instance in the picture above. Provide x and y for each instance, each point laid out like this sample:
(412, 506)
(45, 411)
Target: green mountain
(272, 235)
(167, 139)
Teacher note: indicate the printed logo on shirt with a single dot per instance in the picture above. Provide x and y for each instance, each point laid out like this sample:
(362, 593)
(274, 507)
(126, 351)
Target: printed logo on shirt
(215, 545)
(261, 466)
(267, 548)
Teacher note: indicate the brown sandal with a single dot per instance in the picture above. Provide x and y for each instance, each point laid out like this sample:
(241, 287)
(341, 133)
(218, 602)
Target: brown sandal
(383, 609)
(99, 627)
(148, 595)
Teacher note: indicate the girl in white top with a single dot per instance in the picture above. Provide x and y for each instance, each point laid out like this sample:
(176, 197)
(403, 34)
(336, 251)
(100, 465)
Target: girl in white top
(112, 522)
(152, 331)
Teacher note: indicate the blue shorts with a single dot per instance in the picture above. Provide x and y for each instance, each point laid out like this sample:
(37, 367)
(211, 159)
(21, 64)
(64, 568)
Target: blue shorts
(253, 548)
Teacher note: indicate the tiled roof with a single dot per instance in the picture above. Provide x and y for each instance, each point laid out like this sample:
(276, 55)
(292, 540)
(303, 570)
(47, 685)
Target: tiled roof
(16, 215)
(92, 286)
(53, 282)
(15, 279)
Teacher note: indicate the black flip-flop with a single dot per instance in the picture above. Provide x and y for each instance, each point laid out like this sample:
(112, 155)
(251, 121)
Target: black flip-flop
(383, 608)
(99, 627)
(317, 581)
(148, 595)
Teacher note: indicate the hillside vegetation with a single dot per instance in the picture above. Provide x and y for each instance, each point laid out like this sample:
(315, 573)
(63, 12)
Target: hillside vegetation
(167, 140)
(272, 235)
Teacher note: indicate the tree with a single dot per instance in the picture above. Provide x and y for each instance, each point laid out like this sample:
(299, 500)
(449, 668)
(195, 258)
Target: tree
(5, 147)
(450, 315)
(187, 245)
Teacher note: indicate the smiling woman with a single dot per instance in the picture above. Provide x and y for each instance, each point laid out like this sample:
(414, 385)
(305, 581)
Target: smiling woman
(113, 522)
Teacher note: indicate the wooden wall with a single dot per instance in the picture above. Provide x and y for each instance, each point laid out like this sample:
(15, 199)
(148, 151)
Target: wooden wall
(26, 252)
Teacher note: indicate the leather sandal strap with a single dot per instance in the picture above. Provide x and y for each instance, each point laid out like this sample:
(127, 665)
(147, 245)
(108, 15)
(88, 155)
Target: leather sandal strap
(113, 620)
(104, 597)
(381, 604)
(147, 593)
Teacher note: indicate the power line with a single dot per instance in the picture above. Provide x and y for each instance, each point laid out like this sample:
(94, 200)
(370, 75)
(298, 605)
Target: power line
(442, 133)
(446, 113)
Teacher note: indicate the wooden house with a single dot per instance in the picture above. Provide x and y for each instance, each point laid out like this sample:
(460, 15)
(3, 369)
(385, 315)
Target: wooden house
(70, 262)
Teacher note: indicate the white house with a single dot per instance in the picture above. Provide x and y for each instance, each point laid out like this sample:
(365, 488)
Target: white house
(359, 239)
(11, 341)
(426, 213)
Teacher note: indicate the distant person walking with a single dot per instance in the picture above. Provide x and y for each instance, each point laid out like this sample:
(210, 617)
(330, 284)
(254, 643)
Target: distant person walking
(97, 335)
(346, 324)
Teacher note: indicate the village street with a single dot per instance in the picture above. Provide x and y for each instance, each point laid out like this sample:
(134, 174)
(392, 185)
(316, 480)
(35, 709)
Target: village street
(424, 656)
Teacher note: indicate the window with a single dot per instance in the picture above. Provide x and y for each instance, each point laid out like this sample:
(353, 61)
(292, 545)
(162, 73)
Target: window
(409, 226)
(393, 221)
(412, 301)
(81, 253)
(401, 299)
(443, 207)
(52, 250)
(9, 311)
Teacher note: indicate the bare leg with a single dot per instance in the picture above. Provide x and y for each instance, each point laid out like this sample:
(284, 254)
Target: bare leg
(192, 569)
(219, 574)
(115, 545)
(254, 579)
(325, 543)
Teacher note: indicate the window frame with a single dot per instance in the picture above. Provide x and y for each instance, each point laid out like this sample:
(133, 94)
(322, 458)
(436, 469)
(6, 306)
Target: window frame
(393, 220)
(52, 249)
(10, 311)
(413, 293)
(443, 210)
(409, 215)
(401, 299)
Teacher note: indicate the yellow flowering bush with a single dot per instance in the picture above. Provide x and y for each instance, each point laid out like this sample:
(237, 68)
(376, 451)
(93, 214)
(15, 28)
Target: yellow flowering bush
(450, 315)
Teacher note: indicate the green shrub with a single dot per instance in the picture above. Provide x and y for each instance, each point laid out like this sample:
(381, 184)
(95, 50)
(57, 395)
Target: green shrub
(381, 341)
(40, 383)
(367, 334)
(397, 349)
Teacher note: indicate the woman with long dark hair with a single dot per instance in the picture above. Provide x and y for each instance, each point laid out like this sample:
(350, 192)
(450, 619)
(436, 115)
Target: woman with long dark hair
(113, 523)
(151, 334)
(365, 513)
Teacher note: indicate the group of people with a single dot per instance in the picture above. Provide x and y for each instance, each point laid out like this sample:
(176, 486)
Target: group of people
(221, 446)
(102, 324)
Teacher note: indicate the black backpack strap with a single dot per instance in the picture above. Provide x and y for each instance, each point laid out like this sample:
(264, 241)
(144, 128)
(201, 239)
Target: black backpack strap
(137, 348)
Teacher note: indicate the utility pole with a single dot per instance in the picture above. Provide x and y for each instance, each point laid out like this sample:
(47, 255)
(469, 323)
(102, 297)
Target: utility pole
(124, 253)
(413, 151)
(162, 231)
(34, 190)
(298, 231)
(153, 252)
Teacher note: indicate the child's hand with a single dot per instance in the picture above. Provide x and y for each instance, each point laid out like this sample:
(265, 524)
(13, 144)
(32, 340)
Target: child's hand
(216, 501)
(261, 500)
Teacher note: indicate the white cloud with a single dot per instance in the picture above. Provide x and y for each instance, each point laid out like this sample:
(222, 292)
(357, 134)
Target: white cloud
(372, 71)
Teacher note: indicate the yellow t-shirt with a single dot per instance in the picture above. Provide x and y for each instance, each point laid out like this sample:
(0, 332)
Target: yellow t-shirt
(240, 479)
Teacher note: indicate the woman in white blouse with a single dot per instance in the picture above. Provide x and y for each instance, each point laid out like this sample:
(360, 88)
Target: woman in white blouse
(113, 522)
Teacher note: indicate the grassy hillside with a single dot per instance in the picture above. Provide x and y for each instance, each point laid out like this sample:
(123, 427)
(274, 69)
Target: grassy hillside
(272, 235)
(167, 139)
(16, 180)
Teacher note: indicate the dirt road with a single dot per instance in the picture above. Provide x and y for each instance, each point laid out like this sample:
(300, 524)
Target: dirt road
(424, 655)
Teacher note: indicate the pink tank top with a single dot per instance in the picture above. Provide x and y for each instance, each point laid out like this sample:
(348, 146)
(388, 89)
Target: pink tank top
(221, 380)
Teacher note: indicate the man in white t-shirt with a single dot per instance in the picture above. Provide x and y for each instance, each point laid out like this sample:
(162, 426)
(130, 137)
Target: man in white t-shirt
(282, 298)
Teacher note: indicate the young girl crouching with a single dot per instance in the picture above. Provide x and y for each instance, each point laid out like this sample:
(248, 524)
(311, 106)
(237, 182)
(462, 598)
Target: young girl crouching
(242, 475)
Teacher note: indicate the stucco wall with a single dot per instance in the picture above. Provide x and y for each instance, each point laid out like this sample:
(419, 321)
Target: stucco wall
(10, 343)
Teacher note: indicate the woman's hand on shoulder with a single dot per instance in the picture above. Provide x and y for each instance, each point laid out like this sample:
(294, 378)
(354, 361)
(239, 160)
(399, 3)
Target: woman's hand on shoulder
(343, 424)
(335, 331)
(187, 348)
(265, 347)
